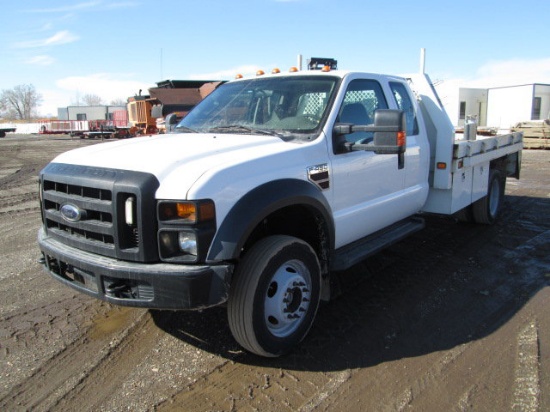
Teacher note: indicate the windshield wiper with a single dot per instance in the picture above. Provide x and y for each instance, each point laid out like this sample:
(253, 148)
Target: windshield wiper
(240, 128)
(184, 129)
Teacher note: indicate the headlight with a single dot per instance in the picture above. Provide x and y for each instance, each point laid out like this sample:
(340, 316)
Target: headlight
(186, 229)
(178, 245)
(188, 243)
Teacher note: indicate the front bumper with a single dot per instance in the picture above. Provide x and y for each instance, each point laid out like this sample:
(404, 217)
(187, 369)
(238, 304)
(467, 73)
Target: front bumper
(147, 285)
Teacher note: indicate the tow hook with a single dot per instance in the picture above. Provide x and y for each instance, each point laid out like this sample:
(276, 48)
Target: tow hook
(117, 288)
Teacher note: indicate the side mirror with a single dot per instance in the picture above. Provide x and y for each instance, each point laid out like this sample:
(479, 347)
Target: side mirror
(389, 134)
(171, 121)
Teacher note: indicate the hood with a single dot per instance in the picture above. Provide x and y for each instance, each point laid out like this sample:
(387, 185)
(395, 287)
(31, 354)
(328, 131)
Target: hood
(160, 155)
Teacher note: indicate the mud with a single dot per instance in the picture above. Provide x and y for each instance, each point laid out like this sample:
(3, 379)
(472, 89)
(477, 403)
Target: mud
(452, 318)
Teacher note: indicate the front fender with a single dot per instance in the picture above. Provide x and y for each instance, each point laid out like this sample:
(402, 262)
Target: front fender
(259, 203)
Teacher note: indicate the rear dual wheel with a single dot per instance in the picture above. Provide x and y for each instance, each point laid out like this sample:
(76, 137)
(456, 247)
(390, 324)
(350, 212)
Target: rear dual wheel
(274, 295)
(486, 209)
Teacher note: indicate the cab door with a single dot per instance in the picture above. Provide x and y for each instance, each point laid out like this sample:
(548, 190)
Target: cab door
(366, 187)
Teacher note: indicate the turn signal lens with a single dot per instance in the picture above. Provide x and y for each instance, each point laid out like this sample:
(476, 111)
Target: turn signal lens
(401, 139)
(187, 212)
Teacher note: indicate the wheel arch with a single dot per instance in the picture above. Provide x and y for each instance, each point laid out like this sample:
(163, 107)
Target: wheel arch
(278, 203)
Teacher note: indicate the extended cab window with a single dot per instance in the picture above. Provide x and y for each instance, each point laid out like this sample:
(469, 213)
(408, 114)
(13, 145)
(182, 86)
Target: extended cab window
(405, 103)
(363, 97)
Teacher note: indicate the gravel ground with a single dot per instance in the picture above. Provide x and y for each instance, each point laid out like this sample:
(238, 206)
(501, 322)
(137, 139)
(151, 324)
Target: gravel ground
(453, 318)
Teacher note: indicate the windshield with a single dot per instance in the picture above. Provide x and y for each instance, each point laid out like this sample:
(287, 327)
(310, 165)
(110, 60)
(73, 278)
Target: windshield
(289, 107)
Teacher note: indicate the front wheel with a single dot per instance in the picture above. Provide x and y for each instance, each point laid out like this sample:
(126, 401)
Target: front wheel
(274, 295)
(486, 209)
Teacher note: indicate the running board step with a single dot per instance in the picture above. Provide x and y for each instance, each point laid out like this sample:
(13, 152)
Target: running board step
(361, 249)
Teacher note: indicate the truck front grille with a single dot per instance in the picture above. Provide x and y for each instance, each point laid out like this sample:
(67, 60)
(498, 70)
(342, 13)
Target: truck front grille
(86, 208)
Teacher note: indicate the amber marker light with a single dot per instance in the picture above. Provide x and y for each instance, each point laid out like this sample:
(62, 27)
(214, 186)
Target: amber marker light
(207, 211)
(260, 73)
(275, 71)
(401, 139)
(186, 211)
(239, 76)
(293, 69)
(441, 165)
(325, 69)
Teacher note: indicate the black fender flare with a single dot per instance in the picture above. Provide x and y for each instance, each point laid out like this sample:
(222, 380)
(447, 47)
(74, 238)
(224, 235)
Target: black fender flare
(259, 203)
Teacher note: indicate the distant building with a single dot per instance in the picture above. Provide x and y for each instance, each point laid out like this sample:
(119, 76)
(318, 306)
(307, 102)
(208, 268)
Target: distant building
(510, 105)
(88, 112)
(498, 107)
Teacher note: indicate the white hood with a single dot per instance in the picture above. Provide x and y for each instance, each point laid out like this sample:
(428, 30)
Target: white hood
(161, 155)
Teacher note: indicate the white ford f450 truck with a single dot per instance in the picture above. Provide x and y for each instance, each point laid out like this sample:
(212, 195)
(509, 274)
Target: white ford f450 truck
(267, 187)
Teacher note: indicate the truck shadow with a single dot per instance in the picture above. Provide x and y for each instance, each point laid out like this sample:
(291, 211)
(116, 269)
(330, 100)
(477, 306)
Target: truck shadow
(447, 285)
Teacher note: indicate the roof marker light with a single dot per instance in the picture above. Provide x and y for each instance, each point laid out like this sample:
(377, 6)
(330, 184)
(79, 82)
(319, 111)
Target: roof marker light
(239, 76)
(260, 73)
(275, 71)
(293, 69)
(325, 69)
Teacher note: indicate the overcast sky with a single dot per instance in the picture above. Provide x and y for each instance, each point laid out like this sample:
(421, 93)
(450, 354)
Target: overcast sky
(67, 49)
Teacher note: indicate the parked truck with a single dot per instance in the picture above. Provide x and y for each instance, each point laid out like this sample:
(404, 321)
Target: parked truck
(267, 187)
(147, 113)
(4, 130)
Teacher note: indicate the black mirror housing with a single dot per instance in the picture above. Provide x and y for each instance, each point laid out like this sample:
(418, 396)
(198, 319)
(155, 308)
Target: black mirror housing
(390, 133)
(389, 129)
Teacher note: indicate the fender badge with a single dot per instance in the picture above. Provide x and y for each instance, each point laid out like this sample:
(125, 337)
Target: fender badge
(319, 175)
(72, 213)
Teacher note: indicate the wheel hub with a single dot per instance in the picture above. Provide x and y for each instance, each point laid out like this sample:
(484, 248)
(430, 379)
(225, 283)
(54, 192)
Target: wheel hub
(288, 298)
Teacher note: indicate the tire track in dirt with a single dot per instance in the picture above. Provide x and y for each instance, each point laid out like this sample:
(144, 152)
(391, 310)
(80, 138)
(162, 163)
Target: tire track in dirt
(72, 365)
(124, 352)
(235, 386)
(326, 391)
(527, 385)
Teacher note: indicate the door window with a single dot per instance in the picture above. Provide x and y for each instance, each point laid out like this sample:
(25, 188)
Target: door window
(405, 103)
(362, 99)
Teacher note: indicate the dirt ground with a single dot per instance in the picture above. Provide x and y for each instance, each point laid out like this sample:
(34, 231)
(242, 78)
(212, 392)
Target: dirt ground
(454, 318)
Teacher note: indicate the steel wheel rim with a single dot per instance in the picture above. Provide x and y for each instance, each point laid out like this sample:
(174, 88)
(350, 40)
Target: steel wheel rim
(287, 298)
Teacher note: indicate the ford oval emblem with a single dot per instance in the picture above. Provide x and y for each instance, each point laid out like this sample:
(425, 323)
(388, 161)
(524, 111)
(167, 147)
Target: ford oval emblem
(71, 213)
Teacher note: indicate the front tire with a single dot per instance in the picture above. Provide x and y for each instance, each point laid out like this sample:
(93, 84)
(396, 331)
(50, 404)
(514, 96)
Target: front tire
(274, 295)
(486, 209)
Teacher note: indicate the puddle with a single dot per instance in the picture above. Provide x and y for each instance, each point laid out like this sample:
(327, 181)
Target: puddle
(115, 320)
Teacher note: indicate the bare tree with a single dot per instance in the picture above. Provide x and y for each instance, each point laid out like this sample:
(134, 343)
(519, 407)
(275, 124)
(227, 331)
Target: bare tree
(92, 100)
(21, 102)
(118, 102)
